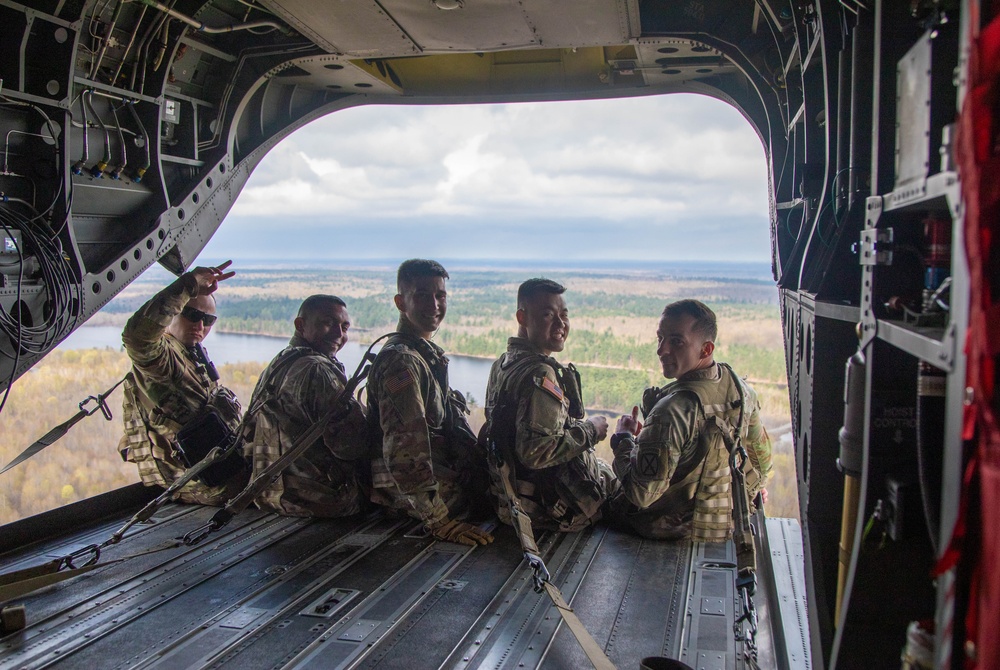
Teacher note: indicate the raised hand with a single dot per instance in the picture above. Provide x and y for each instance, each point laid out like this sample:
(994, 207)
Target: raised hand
(629, 424)
(208, 278)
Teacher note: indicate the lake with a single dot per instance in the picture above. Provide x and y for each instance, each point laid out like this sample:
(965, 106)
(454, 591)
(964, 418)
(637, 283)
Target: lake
(467, 374)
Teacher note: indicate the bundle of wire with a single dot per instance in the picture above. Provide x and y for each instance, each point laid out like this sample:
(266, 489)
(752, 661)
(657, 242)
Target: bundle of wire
(39, 240)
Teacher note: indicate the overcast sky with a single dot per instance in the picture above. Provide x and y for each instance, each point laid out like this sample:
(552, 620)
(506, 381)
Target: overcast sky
(655, 178)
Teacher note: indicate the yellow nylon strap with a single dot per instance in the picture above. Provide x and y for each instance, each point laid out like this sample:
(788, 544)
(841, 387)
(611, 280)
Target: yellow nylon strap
(590, 647)
(16, 589)
(522, 525)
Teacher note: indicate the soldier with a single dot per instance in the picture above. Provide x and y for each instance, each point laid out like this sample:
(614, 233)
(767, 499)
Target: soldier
(424, 460)
(298, 388)
(535, 418)
(172, 381)
(675, 477)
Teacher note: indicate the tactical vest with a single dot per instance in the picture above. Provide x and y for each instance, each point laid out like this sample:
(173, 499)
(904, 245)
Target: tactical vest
(570, 483)
(151, 429)
(723, 404)
(295, 492)
(456, 430)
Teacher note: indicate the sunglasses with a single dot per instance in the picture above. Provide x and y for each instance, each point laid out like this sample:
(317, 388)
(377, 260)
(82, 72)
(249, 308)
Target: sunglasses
(192, 314)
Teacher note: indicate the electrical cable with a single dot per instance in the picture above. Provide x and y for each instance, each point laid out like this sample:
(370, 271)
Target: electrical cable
(245, 55)
(63, 293)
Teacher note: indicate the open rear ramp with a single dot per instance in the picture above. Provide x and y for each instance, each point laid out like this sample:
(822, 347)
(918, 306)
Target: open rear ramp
(374, 591)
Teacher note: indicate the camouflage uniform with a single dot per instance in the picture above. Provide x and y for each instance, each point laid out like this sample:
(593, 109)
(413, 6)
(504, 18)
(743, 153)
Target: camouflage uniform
(559, 481)
(424, 458)
(675, 483)
(166, 388)
(298, 388)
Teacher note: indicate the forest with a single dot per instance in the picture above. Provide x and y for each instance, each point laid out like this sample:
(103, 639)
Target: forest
(613, 316)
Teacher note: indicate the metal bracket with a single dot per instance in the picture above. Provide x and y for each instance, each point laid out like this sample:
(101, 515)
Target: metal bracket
(876, 246)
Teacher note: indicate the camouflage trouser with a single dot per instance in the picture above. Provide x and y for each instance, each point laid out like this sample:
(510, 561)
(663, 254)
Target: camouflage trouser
(316, 484)
(565, 498)
(465, 494)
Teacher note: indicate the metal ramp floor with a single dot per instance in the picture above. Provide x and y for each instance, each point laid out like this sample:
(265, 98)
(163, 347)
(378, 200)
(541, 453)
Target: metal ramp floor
(372, 591)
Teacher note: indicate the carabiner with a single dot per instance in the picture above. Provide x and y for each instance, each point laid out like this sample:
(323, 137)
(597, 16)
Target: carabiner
(541, 573)
(90, 549)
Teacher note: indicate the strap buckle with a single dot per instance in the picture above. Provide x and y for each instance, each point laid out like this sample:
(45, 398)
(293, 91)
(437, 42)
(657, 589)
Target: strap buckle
(101, 404)
(197, 535)
(541, 573)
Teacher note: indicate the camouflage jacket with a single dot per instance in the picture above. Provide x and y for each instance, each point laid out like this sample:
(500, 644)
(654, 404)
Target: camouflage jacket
(423, 458)
(296, 389)
(166, 388)
(558, 479)
(660, 474)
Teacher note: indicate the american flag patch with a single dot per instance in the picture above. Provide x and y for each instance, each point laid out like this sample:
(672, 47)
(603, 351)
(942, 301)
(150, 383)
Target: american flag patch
(553, 389)
(397, 383)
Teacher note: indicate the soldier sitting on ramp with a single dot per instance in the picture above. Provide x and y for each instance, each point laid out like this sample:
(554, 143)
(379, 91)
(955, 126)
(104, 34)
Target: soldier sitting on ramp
(297, 389)
(675, 476)
(535, 420)
(172, 383)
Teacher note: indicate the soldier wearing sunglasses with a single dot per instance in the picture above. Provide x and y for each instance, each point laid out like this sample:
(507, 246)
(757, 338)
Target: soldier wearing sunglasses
(172, 380)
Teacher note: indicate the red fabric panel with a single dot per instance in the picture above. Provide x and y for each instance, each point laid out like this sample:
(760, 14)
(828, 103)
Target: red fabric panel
(988, 644)
(979, 165)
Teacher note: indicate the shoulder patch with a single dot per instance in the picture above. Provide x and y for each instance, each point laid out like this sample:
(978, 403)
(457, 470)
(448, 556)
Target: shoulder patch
(399, 381)
(648, 464)
(552, 389)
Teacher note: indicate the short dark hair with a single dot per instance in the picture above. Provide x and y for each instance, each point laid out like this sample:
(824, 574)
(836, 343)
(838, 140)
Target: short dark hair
(311, 304)
(704, 318)
(418, 268)
(532, 287)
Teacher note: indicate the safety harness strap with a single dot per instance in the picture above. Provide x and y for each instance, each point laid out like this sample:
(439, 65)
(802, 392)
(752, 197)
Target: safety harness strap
(53, 435)
(21, 582)
(339, 410)
(590, 646)
(522, 526)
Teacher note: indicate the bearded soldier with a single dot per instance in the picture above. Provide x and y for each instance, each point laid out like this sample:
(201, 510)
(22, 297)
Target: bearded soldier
(535, 419)
(675, 476)
(299, 387)
(172, 381)
(424, 461)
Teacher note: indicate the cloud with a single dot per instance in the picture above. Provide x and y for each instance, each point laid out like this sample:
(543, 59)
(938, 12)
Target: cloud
(663, 168)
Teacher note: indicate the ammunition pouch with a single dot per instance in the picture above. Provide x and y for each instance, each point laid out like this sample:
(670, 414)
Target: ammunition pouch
(650, 397)
(456, 426)
(569, 379)
(210, 428)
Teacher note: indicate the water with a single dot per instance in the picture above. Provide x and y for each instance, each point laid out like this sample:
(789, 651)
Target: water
(467, 374)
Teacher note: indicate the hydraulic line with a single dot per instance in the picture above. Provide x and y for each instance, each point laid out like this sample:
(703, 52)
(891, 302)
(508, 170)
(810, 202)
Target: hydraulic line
(142, 51)
(82, 163)
(107, 39)
(98, 170)
(145, 141)
(163, 48)
(117, 172)
(128, 47)
(201, 27)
